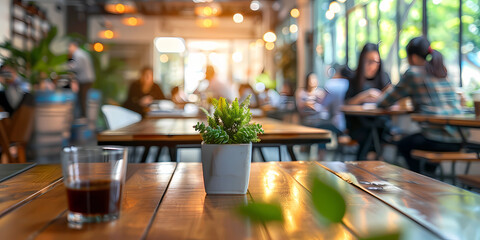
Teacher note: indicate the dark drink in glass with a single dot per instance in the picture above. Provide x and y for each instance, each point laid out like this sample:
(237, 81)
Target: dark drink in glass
(94, 178)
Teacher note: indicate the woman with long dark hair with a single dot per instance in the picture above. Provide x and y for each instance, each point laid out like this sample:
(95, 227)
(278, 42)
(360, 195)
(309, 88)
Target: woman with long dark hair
(426, 84)
(366, 86)
(369, 79)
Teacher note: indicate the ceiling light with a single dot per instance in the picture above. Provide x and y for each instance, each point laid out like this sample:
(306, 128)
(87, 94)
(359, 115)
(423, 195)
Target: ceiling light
(269, 37)
(98, 47)
(117, 7)
(107, 34)
(132, 21)
(295, 13)
(238, 18)
(269, 45)
(293, 28)
(255, 5)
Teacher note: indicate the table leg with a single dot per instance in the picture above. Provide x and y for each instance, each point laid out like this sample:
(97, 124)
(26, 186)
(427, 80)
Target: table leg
(173, 153)
(376, 143)
(364, 151)
(145, 154)
(279, 153)
(291, 153)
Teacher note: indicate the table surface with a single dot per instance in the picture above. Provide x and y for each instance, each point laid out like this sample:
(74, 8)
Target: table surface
(360, 111)
(168, 201)
(465, 120)
(179, 131)
(9, 170)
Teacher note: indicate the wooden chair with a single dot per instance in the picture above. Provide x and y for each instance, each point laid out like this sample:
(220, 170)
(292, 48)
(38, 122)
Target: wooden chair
(441, 157)
(15, 133)
(471, 181)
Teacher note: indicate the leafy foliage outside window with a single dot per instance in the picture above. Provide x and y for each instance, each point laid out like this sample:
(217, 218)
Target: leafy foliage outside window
(229, 124)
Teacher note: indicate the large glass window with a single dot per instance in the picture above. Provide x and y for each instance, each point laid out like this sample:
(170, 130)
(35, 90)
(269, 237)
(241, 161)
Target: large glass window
(471, 45)
(443, 29)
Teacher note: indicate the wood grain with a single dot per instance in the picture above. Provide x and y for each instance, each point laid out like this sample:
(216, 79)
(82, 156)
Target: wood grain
(181, 130)
(467, 120)
(144, 188)
(445, 209)
(365, 216)
(439, 157)
(358, 110)
(28, 185)
(269, 183)
(187, 212)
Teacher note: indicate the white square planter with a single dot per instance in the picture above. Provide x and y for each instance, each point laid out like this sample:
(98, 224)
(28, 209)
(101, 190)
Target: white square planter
(226, 168)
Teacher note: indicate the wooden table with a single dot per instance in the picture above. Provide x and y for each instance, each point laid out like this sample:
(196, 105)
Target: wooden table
(174, 132)
(467, 120)
(9, 170)
(371, 118)
(168, 201)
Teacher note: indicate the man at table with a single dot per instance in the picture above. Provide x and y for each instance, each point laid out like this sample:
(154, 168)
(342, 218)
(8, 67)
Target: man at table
(431, 93)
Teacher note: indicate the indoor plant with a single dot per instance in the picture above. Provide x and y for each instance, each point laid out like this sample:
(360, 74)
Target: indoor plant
(227, 146)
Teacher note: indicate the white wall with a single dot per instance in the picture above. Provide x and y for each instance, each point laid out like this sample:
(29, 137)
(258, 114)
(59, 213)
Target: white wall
(4, 20)
(58, 19)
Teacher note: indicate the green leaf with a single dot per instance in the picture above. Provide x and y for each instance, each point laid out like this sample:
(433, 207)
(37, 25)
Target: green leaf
(262, 212)
(230, 123)
(328, 202)
(387, 236)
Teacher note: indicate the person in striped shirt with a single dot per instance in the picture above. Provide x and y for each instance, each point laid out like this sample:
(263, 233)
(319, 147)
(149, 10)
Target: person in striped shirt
(426, 83)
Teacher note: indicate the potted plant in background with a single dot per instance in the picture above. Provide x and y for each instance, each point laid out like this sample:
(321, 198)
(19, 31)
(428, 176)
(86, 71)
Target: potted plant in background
(227, 146)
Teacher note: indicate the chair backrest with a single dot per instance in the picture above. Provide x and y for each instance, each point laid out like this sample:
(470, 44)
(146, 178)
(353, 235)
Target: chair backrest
(118, 117)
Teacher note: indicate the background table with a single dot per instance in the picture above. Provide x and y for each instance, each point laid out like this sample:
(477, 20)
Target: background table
(371, 118)
(168, 201)
(173, 132)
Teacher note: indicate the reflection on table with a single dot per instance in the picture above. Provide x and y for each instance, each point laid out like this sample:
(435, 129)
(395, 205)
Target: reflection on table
(168, 201)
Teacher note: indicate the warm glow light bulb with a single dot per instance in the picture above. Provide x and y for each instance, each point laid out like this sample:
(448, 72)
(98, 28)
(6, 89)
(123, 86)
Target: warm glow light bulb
(120, 8)
(108, 34)
(255, 5)
(132, 21)
(238, 18)
(295, 13)
(163, 58)
(269, 45)
(293, 28)
(207, 11)
(98, 47)
(207, 23)
(269, 37)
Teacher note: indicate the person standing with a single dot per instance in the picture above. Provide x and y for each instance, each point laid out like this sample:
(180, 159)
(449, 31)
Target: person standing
(425, 82)
(81, 64)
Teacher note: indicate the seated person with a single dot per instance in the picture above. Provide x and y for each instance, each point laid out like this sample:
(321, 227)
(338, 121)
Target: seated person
(431, 93)
(309, 103)
(365, 87)
(142, 92)
(178, 96)
(336, 88)
(244, 90)
(212, 87)
(14, 89)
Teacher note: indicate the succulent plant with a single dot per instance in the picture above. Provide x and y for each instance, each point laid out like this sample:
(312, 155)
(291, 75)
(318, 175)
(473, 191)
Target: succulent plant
(229, 123)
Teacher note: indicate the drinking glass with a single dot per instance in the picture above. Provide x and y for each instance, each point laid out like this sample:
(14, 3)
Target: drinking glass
(94, 177)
